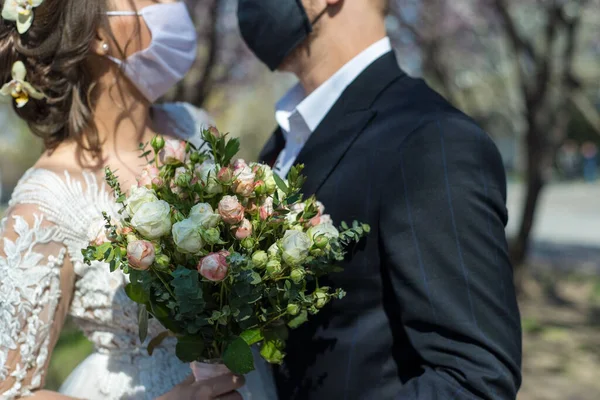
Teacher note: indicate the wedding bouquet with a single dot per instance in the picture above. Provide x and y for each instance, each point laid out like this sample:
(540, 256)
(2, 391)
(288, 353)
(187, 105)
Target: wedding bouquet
(223, 254)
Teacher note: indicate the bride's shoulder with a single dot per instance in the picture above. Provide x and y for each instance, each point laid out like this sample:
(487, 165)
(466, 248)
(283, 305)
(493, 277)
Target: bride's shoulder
(182, 120)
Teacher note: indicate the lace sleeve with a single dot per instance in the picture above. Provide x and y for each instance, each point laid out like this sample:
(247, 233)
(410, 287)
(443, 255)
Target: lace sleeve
(33, 274)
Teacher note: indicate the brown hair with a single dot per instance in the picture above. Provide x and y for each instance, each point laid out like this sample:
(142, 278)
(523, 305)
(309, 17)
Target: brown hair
(55, 51)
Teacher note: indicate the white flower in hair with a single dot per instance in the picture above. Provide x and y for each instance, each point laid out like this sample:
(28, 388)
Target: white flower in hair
(20, 11)
(18, 88)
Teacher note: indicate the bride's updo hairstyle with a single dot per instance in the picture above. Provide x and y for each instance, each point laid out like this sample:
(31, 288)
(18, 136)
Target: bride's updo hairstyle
(55, 51)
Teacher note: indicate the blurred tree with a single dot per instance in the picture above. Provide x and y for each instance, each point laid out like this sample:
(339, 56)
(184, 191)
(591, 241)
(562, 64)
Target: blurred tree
(529, 57)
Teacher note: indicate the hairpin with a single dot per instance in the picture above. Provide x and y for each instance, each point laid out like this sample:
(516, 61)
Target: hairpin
(20, 11)
(18, 88)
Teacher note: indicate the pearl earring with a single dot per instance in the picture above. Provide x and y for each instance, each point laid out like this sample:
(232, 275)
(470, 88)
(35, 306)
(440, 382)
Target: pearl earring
(105, 46)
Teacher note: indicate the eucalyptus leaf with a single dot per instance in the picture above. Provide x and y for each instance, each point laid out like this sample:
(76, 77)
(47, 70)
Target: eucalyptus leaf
(143, 322)
(238, 357)
(156, 341)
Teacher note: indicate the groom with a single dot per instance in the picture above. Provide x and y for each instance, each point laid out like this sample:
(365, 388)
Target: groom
(431, 310)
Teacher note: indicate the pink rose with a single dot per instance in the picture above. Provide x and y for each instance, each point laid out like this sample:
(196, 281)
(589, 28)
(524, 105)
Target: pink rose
(320, 219)
(173, 152)
(214, 266)
(244, 230)
(239, 165)
(225, 175)
(140, 254)
(230, 210)
(149, 176)
(266, 210)
(244, 181)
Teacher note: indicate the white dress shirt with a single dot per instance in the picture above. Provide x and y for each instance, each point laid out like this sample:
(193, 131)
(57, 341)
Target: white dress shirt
(299, 115)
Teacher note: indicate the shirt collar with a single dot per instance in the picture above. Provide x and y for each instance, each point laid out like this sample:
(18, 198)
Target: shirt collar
(313, 108)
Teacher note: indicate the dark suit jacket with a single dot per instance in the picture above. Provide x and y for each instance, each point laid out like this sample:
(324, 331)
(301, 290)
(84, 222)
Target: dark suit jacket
(431, 310)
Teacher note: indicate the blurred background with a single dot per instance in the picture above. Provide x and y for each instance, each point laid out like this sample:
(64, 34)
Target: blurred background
(529, 72)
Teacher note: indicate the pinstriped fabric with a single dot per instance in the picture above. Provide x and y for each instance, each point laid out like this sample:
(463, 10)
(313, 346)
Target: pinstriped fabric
(431, 312)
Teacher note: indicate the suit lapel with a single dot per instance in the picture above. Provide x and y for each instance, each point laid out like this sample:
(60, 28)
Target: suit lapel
(327, 147)
(272, 148)
(348, 118)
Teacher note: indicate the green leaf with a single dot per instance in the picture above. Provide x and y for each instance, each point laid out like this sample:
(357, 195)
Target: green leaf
(344, 225)
(189, 348)
(256, 279)
(162, 314)
(238, 357)
(186, 285)
(252, 336)
(280, 183)
(298, 320)
(137, 293)
(156, 341)
(232, 148)
(271, 352)
(143, 322)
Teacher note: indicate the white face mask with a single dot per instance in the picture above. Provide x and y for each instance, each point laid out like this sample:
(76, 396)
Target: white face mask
(171, 53)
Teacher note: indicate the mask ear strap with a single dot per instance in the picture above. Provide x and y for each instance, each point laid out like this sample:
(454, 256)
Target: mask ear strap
(122, 13)
(318, 17)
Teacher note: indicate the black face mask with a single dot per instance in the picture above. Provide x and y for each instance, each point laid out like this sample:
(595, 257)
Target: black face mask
(272, 29)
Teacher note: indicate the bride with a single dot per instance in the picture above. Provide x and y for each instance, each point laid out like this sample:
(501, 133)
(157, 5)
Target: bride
(83, 74)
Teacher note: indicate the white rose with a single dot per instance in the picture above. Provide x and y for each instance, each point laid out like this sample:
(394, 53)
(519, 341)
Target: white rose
(139, 196)
(326, 229)
(153, 220)
(295, 246)
(207, 173)
(273, 251)
(203, 214)
(186, 235)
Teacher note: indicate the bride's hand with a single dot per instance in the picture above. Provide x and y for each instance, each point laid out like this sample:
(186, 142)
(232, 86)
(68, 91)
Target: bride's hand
(220, 388)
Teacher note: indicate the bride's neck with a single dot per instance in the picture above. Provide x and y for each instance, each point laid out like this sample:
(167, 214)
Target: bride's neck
(122, 118)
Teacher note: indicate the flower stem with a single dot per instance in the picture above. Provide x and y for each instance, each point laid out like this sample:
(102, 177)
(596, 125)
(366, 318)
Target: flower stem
(164, 283)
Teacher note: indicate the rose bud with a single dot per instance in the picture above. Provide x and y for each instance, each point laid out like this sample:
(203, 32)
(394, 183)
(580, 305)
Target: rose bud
(182, 177)
(248, 243)
(230, 210)
(214, 266)
(157, 143)
(260, 259)
(212, 236)
(225, 175)
(293, 309)
(215, 132)
(297, 275)
(195, 157)
(321, 298)
(251, 207)
(260, 188)
(173, 152)
(140, 254)
(321, 241)
(244, 230)
(273, 267)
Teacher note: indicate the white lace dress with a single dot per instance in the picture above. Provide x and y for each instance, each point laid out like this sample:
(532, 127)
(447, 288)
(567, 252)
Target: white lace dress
(51, 217)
